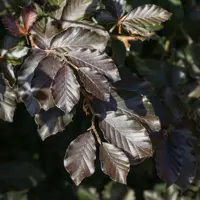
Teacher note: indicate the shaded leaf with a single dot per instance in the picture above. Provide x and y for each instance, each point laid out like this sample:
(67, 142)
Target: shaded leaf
(127, 134)
(66, 89)
(13, 179)
(29, 16)
(114, 162)
(188, 170)
(116, 7)
(95, 83)
(25, 77)
(95, 60)
(42, 80)
(80, 156)
(76, 37)
(147, 15)
(104, 16)
(168, 157)
(76, 9)
(51, 122)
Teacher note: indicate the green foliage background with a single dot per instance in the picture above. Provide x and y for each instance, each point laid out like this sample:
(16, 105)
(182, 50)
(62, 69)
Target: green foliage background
(32, 169)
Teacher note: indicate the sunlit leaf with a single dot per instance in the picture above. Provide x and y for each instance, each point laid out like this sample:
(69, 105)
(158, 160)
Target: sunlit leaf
(51, 122)
(95, 83)
(127, 134)
(146, 15)
(76, 37)
(76, 9)
(80, 156)
(114, 162)
(65, 89)
(8, 99)
(42, 80)
(25, 77)
(95, 60)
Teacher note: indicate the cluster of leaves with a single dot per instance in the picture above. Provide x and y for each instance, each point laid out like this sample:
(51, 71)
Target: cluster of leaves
(63, 58)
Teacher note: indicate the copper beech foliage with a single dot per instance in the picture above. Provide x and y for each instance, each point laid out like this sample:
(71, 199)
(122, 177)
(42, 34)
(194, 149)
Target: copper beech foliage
(65, 60)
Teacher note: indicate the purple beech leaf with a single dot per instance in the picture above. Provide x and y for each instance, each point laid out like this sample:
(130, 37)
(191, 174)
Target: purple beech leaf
(168, 157)
(25, 77)
(143, 16)
(77, 37)
(95, 60)
(135, 106)
(77, 9)
(7, 100)
(188, 170)
(51, 122)
(114, 162)
(42, 80)
(95, 83)
(43, 31)
(104, 16)
(127, 134)
(80, 156)
(59, 4)
(65, 89)
(116, 7)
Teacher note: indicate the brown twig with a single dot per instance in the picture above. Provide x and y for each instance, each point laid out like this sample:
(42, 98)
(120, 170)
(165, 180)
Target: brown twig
(125, 40)
(92, 127)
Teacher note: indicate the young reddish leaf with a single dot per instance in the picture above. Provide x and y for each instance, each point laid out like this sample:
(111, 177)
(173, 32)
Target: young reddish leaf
(11, 25)
(42, 80)
(95, 60)
(66, 89)
(51, 122)
(95, 83)
(77, 37)
(114, 162)
(29, 16)
(76, 9)
(25, 77)
(80, 156)
(116, 7)
(127, 134)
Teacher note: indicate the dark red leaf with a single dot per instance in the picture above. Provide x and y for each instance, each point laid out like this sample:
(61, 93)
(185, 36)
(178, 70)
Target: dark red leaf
(95, 60)
(80, 156)
(51, 122)
(66, 89)
(114, 162)
(95, 83)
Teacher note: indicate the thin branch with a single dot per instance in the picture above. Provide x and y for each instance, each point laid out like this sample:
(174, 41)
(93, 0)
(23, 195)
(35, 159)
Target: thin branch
(92, 128)
(125, 40)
